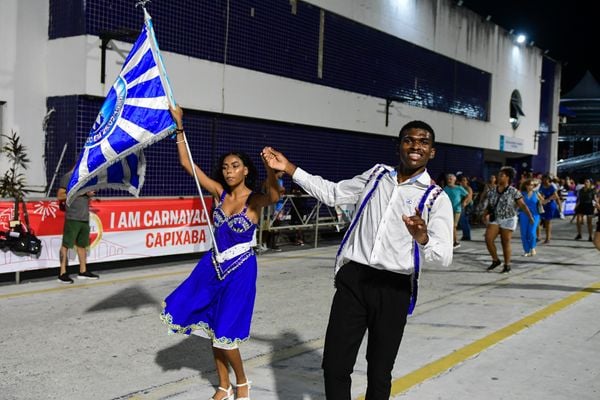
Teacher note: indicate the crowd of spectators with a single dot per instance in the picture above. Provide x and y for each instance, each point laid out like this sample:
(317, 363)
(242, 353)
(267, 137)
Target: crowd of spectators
(548, 198)
(558, 197)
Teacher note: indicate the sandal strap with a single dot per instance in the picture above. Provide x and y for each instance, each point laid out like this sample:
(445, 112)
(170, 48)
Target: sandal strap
(229, 392)
(249, 384)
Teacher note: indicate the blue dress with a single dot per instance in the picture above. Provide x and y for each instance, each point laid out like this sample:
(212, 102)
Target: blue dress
(528, 229)
(217, 300)
(551, 208)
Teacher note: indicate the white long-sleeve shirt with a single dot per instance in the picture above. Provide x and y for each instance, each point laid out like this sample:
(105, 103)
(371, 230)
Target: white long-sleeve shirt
(380, 238)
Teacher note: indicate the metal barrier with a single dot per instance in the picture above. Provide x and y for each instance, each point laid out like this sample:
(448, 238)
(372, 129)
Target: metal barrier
(586, 160)
(301, 212)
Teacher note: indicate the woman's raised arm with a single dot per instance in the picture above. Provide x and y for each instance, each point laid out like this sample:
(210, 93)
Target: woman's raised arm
(206, 182)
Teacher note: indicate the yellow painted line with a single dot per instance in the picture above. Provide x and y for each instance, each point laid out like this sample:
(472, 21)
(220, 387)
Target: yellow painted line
(443, 364)
(88, 284)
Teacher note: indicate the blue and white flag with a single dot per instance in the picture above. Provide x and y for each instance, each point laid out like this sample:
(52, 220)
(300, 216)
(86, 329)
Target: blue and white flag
(134, 115)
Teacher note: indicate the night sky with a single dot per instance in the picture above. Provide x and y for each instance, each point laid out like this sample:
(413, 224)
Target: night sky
(569, 30)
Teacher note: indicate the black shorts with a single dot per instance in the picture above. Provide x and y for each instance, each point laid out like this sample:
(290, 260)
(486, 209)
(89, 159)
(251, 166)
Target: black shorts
(585, 209)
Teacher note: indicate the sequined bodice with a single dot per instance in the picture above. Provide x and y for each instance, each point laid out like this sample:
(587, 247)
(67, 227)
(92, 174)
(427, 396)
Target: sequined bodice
(232, 229)
(237, 222)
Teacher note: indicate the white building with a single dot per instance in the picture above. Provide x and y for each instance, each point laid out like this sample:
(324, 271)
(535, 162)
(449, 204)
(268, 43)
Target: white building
(52, 50)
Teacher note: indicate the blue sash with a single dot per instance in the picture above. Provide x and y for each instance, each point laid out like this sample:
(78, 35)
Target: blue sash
(359, 212)
(415, 277)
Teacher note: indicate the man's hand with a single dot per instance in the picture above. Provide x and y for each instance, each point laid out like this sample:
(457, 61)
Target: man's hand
(277, 161)
(61, 195)
(416, 227)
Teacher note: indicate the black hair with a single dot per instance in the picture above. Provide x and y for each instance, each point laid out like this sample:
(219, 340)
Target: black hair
(418, 125)
(250, 178)
(508, 171)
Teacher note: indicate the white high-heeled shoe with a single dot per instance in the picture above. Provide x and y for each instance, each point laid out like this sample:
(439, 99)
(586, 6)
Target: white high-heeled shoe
(229, 392)
(249, 384)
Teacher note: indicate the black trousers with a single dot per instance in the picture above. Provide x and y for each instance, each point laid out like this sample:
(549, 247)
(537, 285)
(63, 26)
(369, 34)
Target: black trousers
(365, 298)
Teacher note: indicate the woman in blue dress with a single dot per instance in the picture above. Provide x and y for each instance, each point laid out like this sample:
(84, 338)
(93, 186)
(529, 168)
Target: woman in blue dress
(217, 300)
(529, 229)
(550, 194)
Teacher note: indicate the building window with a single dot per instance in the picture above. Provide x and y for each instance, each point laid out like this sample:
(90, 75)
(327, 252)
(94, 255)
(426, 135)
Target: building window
(2, 104)
(2, 108)
(516, 109)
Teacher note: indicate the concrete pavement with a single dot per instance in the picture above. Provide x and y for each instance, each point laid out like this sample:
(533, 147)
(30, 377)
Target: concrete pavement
(531, 334)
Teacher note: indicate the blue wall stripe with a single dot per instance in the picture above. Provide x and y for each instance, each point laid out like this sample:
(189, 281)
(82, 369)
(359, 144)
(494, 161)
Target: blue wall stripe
(333, 154)
(268, 36)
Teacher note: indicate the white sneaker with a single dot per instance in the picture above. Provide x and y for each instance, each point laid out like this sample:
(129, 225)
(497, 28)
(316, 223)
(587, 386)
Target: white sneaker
(527, 255)
(533, 252)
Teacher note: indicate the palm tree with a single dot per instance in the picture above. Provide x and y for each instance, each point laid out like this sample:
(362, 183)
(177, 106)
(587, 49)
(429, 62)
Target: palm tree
(12, 184)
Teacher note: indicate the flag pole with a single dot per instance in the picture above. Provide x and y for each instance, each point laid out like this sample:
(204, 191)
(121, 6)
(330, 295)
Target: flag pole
(167, 86)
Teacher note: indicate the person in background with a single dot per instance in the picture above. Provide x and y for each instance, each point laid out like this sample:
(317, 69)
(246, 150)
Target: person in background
(76, 231)
(476, 185)
(597, 205)
(550, 195)
(441, 179)
(573, 188)
(502, 216)
(270, 237)
(482, 202)
(556, 183)
(585, 207)
(563, 191)
(278, 208)
(459, 197)
(401, 221)
(467, 209)
(537, 183)
(532, 200)
(298, 212)
(525, 175)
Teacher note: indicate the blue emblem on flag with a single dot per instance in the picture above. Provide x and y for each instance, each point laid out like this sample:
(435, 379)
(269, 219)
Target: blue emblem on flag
(109, 113)
(134, 115)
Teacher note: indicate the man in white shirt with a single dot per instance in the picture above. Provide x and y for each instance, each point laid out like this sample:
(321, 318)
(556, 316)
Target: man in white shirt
(401, 219)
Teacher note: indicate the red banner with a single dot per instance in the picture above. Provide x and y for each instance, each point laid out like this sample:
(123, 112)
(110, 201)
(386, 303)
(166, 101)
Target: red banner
(119, 229)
